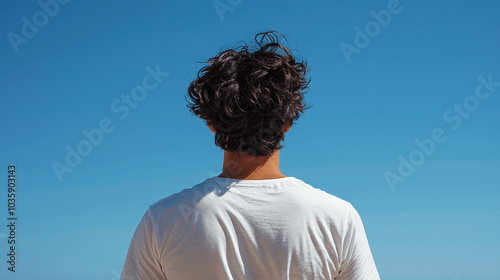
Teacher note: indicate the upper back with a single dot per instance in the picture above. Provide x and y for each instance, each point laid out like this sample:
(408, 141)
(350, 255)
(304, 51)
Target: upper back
(251, 229)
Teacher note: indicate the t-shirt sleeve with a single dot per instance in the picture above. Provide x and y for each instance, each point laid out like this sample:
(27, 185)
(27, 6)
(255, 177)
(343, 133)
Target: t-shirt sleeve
(357, 262)
(142, 260)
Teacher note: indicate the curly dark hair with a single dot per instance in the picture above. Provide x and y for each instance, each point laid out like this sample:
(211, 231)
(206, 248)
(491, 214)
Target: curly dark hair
(248, 94)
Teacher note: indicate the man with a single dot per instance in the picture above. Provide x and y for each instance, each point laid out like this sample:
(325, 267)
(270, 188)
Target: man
(251, 221)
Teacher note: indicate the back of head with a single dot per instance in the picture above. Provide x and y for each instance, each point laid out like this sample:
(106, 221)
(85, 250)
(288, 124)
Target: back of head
(249, 94)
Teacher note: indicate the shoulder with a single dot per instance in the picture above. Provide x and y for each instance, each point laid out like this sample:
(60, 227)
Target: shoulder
(320, 205)
(323, 198)
(173, 205)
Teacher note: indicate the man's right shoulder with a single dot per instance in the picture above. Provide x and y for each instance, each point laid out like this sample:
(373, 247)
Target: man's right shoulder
(322, 198)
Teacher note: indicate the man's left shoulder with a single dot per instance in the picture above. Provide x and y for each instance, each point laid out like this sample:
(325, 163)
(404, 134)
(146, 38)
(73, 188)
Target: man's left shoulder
(173, 205)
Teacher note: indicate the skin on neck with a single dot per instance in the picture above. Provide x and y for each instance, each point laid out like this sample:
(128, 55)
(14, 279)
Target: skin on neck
(247, 167)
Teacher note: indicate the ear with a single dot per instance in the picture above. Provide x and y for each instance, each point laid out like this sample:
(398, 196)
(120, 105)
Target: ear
(287, 127)
(211, 127)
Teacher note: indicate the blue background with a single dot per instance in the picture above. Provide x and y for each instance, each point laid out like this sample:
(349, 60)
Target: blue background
(368, 108)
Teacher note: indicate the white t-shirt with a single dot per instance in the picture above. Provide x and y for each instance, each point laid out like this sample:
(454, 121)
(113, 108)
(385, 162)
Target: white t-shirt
(250, 229)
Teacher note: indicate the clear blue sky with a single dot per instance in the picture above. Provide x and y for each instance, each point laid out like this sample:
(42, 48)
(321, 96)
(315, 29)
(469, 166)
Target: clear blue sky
(413, 77)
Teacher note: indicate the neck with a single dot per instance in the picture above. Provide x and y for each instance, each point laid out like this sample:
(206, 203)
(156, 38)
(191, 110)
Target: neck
(246, 167)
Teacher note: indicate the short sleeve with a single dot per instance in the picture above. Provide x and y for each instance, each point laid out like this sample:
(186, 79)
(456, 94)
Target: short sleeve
(357, 262)
(142, 260)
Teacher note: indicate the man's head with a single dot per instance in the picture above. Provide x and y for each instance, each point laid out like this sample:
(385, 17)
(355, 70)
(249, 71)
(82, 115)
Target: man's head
(249, 96)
